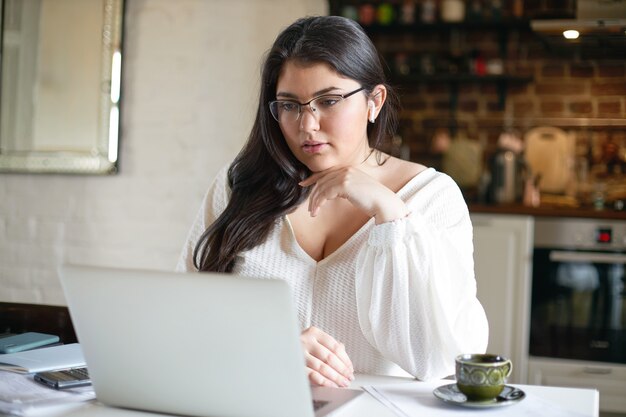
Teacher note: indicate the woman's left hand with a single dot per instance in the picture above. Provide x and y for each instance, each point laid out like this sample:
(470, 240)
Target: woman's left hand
(363, 191)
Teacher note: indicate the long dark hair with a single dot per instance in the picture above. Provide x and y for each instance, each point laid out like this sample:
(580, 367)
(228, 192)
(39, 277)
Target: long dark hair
(264, 176)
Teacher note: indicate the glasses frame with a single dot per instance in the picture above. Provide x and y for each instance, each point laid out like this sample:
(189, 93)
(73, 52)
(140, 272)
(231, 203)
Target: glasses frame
(308, 103)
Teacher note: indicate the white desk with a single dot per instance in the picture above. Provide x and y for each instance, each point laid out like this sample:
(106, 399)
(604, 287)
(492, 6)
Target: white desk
(583, 402)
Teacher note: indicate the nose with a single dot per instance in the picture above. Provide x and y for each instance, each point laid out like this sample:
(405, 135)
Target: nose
(309, 119)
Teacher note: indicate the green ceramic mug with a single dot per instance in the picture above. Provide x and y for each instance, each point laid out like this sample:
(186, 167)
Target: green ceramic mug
(482, 376)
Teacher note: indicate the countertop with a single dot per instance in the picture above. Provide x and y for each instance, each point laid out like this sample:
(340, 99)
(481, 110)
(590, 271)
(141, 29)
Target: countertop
(547, 211)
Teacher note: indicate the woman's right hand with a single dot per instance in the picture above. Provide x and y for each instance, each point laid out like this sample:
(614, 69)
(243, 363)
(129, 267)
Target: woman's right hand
(327, 362)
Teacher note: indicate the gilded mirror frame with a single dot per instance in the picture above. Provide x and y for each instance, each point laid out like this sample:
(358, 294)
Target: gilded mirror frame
(101, 157)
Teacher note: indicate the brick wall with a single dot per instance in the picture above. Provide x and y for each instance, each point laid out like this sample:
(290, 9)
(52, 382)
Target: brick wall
(571, 85)
(190, 90)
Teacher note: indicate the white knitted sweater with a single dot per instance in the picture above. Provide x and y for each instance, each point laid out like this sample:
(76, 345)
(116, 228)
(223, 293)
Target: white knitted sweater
(399, 295)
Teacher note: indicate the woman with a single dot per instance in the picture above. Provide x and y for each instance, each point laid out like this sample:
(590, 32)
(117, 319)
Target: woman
(377, 250)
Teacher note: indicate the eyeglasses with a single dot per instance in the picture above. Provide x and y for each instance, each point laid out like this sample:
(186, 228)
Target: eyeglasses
(289, 111)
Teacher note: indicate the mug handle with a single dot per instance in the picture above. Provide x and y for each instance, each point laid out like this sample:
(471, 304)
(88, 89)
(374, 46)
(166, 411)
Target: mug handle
(509, 366)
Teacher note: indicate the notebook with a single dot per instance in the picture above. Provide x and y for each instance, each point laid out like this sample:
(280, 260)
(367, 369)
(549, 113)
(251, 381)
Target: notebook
(193, 344)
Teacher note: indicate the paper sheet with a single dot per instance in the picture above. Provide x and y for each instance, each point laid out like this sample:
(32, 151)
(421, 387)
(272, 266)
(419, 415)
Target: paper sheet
(417, 400)
(20, 394)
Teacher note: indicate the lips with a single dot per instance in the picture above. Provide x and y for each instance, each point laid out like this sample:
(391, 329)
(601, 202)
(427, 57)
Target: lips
(314, 147)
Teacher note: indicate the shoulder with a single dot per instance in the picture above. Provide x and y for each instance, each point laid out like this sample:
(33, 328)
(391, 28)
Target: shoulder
(219, 186)
(429, 188)
(217, 196)
(398, 172)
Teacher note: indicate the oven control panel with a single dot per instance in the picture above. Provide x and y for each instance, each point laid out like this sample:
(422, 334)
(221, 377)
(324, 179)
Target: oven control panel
(580, 233)
(604, 235)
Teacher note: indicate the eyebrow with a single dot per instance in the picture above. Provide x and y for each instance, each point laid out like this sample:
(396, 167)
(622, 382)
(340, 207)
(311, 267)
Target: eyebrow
(315, 94)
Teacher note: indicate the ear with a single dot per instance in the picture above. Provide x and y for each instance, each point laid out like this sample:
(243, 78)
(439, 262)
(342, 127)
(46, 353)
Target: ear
(375, 102)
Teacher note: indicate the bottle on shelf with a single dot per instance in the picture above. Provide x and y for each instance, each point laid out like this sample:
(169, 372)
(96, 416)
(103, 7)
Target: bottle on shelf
(518, 8)
(475, 10)
(477, 65)
(495, 9)
(407, 12)
(429, 11)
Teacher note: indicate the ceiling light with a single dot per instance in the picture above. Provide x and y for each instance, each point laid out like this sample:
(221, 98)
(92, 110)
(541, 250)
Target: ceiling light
(571, 34)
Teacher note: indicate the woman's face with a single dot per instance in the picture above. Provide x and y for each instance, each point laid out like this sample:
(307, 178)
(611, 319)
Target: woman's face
(331, 137)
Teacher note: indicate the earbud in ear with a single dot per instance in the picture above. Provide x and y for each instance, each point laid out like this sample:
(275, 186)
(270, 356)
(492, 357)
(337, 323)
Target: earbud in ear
(371, 108)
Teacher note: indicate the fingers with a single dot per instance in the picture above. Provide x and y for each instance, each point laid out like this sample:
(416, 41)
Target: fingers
(361, 190)
(326, 186)
(312, 179)
(327, 362)
(338, 355)
(322, 357)
(323, 374)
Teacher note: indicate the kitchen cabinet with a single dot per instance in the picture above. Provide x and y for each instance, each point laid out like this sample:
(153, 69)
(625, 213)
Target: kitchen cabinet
(606, 378)
(502, 262)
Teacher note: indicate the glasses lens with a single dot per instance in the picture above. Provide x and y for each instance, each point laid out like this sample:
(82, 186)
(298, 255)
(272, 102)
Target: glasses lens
(326, 105)
(285, 111)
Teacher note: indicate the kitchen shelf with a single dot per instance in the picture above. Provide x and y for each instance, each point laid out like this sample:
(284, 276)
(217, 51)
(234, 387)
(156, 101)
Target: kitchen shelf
(562, 122)
(579, 122)
(462, 78)
(505, 25)
(547, 211)
(500, 26)
(454, 80)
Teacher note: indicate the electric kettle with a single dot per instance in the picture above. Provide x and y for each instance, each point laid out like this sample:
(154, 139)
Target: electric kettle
(508, 176)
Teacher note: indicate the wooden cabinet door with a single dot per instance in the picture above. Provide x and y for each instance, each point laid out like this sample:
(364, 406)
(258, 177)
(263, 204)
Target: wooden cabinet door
(502, 257)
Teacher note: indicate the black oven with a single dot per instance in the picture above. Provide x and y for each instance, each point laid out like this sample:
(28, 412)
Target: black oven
(578, 309)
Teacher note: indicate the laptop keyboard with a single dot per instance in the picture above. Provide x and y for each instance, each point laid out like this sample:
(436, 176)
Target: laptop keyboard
(317, 404)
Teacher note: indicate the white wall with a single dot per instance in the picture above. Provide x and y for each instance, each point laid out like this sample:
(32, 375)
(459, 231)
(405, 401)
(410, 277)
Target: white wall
(190, 85)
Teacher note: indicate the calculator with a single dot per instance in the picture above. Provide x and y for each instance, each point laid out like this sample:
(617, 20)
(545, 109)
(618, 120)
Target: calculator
(63, 379)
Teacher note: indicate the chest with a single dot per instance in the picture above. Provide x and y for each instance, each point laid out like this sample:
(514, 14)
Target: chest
(322, 235)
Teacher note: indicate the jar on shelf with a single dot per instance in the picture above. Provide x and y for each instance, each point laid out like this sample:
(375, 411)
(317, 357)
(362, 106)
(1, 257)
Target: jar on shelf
(349, 11)
(452, 10)
(475, 10)
(385, 14)
(367, 14)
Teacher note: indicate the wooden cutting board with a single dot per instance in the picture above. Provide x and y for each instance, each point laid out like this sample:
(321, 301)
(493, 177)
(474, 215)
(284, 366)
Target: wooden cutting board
(549, 152)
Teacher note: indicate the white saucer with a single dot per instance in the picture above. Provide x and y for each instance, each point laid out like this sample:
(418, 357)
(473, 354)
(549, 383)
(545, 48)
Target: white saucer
(451, 394)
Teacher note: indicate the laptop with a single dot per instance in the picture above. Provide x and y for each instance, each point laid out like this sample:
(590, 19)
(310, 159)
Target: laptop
(193, 344)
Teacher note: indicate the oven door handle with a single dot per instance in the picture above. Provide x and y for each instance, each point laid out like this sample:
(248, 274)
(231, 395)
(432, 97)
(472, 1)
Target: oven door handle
(591, 257)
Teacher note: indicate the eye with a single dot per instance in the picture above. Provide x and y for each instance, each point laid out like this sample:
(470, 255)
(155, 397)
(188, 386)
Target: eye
(288, 106)
(328, 101)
